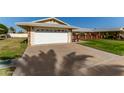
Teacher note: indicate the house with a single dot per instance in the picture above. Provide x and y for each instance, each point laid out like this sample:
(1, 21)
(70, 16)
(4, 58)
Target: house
(53, 30)
(99, 33)
(48, 31)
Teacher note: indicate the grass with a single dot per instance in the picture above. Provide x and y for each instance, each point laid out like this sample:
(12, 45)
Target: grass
(112, 46)
(12, 48)
(6, 71)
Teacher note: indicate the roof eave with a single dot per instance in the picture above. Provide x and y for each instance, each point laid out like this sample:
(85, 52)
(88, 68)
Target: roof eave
(20, 25)
(51, 18)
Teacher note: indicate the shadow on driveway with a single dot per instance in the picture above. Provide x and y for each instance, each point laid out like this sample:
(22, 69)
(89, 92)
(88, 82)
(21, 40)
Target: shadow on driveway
(45, 64)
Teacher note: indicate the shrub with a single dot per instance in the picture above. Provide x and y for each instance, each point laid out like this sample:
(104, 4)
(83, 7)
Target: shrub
(4, 29)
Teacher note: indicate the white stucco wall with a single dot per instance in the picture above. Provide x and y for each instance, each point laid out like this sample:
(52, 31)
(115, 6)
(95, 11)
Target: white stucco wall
(18, 35)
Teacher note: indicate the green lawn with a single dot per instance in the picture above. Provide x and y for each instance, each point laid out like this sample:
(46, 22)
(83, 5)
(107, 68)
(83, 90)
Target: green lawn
(12, 48)
(6, 71)
(112, 46)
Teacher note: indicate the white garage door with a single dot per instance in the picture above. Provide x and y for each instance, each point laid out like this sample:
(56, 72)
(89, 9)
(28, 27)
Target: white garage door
(49, 37)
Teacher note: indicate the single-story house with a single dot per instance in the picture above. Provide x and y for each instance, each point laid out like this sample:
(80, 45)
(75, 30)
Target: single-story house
(48, 31)
(53, 30)
(99, 33)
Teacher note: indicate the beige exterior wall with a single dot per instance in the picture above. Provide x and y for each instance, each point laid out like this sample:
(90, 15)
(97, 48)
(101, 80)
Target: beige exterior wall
(69, 37)
(51, 22)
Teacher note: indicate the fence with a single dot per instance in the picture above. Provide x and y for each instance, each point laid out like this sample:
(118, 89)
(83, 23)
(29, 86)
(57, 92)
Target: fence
(18, 35)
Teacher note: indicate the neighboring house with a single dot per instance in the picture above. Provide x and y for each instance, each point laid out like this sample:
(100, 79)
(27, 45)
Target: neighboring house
(53, 30)
(99, 33)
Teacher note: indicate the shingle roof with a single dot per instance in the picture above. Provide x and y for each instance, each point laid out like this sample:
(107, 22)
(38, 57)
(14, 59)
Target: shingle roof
(107, 29)
(40, 20)
(97, 29)
(44, 25)
(83, 30)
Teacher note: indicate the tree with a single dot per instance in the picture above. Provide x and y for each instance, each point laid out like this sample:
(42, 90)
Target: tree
(4, 29)
(12, 30)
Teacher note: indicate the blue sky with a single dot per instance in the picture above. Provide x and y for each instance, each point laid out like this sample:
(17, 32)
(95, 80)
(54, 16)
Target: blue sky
(84, 22)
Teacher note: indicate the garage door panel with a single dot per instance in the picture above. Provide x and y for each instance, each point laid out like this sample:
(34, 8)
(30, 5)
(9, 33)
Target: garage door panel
(49, 38)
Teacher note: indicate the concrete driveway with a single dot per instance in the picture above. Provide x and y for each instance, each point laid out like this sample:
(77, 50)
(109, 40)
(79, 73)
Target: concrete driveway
(68, 60)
